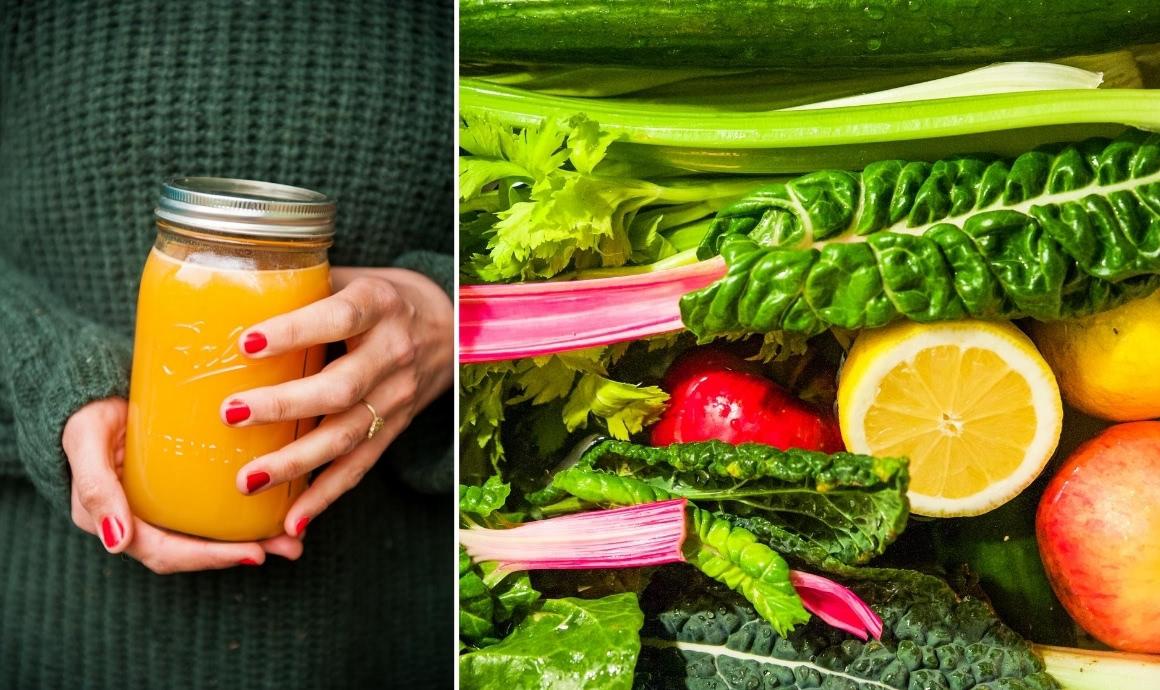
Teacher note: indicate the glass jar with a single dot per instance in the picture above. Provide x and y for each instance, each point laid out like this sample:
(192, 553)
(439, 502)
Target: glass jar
(229, 254)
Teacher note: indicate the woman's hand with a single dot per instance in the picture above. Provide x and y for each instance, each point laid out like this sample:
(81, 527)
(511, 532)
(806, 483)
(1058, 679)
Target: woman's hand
(94, 441)
(397, 325)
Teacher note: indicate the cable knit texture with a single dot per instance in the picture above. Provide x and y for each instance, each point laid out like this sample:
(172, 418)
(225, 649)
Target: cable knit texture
(99, 102)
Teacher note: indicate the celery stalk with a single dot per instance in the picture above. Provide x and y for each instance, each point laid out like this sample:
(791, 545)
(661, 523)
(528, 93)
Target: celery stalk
(663, 125)
(1082, 669)
(779, 161)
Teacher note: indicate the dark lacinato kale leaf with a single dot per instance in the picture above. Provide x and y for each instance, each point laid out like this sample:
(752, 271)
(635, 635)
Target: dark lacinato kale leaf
(1054, 234)
(823, 510)
(566, 643)
(700, 636)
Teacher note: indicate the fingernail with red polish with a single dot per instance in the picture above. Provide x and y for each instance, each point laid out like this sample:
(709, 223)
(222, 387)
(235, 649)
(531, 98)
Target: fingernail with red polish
(237, 411)
(248, 561)
(301, 526)
(256, 480)
(254, 342)
(111, 532)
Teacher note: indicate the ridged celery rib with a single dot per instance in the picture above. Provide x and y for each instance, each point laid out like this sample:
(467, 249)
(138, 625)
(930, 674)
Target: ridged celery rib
(655, 125)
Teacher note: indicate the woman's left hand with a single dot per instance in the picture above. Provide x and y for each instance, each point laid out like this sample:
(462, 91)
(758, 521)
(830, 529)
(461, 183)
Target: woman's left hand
(397, 325)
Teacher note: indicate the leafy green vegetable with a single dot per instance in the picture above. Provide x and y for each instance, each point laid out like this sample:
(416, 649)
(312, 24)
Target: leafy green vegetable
(485, 499)
(733, 556)
(476, 606)
(567, 643)
(513, 596)
(1050, 235)
(624, 407)
(700, 635)
(552, 397)
(488, 599)
(486, 606)
(828, 510)
(552, 210)
(822, 509)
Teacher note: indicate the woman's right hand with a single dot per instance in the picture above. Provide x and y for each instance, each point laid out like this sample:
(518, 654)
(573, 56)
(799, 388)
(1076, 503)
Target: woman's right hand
(94, 442)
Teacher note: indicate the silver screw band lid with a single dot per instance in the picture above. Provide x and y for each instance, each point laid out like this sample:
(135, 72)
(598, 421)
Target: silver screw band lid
(246, 207)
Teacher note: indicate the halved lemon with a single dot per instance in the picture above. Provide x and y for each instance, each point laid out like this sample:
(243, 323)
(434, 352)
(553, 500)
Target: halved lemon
(972, 404)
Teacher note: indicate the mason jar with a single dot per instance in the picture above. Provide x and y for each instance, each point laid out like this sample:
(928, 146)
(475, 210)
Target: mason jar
(229, 254)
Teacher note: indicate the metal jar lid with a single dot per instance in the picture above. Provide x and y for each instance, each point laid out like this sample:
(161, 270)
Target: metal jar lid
(246, 207)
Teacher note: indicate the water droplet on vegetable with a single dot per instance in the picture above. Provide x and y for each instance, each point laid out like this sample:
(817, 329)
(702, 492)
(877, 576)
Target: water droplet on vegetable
(875, 11)
(873, 44)
(1007, 41)
(914, 5)
(941, 28)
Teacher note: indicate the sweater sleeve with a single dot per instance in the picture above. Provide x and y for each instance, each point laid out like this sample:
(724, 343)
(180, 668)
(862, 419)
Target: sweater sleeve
(437, 266)
(52, 362)
(423, 456)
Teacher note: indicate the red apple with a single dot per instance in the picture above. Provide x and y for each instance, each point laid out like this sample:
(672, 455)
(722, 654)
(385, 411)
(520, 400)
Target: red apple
(1099, 536)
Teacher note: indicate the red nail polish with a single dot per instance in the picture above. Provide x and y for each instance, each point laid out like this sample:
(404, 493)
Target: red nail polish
(254, 342)
(248, 561)
(111, 532)
(256, 480)
(237, 411)
(301, 526)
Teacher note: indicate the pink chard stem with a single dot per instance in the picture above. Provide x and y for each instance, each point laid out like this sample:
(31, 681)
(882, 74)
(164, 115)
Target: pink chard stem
(632, 537)
(638, 536)
(532, 319)
(836, 605)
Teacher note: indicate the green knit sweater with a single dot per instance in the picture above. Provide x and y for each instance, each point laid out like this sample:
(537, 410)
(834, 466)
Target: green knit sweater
(99, 102)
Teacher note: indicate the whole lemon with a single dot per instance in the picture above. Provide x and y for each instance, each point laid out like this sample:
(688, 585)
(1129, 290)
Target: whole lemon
(1108, 364)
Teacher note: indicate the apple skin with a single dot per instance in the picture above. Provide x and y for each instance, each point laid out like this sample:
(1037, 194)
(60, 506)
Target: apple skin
(1098, 527)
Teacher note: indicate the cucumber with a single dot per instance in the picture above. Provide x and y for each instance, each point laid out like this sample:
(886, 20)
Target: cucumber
(797, 33)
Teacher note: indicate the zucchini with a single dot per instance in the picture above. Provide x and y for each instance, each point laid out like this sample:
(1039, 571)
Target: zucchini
(797, 33)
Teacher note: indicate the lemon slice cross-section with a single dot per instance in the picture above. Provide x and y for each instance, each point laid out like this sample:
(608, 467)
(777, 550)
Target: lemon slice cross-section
(972, 404)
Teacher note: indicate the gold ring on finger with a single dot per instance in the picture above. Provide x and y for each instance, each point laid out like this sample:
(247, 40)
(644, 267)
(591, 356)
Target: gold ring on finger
(377, 422)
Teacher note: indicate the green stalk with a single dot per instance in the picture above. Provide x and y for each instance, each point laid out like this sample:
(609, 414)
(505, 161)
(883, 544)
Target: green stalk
(689, 236)
(684, 258)
(1082, 669)
(664, 125)
(776, 161)
(691, 191)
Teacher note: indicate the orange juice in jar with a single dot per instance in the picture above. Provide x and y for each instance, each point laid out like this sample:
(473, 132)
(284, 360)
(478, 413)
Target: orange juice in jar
(229, 254)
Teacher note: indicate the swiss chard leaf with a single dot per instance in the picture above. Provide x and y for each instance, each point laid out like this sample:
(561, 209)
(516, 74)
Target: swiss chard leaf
(487, 609)
(567, 643)
(476, 606)
(733, 557)
(698, 634)
(825, 510)
(1054, 234)
(725, 552)
(485, 499)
